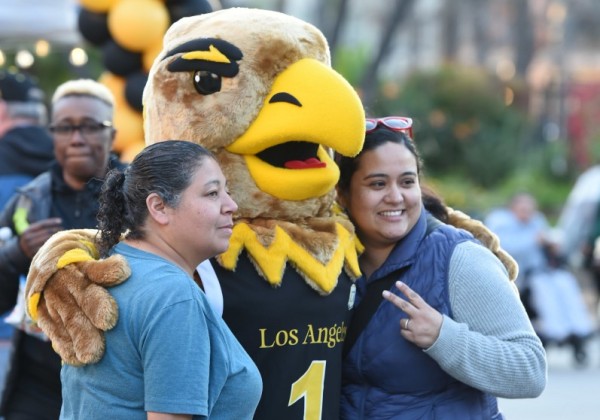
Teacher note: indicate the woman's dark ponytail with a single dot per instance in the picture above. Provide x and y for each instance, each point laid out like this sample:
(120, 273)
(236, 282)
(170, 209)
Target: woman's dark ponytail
(434, 204)
(112, 213)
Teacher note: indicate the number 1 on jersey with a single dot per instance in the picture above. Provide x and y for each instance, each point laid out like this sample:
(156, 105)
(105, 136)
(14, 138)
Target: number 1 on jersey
(310, 387)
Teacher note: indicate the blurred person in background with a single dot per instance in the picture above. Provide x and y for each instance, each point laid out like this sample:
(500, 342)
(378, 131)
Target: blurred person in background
(548, 289)
(577, 217)
(579, 223)
(26, 151)
(26, 148)
(64, 197)
(591, 253)
(520, 227)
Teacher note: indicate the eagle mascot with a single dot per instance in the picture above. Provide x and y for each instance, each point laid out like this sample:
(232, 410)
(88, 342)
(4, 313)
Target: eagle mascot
(256, 88)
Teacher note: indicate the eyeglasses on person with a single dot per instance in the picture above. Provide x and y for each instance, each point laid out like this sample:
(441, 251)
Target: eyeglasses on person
(401, 124)
(87, 129)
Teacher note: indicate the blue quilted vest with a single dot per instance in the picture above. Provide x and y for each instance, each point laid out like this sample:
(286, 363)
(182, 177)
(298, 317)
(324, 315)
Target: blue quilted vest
(387, 377)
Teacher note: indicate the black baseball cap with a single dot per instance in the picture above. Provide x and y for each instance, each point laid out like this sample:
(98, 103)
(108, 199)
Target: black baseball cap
(18, 87)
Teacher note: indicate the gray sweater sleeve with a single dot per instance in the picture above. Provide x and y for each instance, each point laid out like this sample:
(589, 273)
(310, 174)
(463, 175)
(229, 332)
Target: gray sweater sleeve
(489, 343)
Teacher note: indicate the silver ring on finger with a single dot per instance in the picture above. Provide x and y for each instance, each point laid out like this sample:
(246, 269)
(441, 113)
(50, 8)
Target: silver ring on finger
(406, 323)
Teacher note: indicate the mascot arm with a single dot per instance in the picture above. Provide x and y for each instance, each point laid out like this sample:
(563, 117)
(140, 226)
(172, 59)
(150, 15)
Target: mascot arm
(486, 237)
(67, 298)
(66, 294)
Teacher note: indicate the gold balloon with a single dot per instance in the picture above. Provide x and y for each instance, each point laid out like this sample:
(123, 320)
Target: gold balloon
(98, 6)
(136, 25)
(114, 83)
(129, 125)
(127, 121)
(132, 150)
(150, 54)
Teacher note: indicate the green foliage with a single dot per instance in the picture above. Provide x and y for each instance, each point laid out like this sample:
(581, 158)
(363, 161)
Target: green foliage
(351, 62)
(550, 189)
(594, 148)
(478, 151)
(462, 125)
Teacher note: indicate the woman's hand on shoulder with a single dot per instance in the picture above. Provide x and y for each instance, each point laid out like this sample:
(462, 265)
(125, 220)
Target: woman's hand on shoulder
(423, 323)
(37, 233)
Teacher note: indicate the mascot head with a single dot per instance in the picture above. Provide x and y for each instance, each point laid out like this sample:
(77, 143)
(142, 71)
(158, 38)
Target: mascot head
(256, 87)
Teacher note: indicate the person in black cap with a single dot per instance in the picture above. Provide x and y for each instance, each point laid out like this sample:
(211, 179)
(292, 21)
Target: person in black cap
(26, 150)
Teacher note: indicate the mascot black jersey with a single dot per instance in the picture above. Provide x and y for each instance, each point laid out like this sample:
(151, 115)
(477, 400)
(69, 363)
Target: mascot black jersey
(299, 355)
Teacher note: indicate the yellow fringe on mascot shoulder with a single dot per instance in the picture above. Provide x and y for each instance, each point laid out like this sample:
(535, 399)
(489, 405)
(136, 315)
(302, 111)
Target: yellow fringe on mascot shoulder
(256, 88)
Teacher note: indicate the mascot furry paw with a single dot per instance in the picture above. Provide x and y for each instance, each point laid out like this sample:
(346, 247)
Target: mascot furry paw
(486, 237)
(67, 298)
(256, 88)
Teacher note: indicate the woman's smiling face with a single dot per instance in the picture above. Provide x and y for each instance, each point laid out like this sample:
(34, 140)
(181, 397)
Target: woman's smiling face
(384, 198)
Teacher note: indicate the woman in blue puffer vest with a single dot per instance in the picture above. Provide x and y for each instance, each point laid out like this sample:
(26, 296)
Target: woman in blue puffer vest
(438, 330)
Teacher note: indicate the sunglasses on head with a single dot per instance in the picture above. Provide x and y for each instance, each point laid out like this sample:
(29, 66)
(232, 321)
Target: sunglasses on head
(402, 124)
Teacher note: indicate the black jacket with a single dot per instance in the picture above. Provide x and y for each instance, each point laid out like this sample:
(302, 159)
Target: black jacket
(25, 152)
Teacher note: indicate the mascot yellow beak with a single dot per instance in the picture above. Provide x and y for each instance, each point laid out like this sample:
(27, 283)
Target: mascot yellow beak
(309, 106)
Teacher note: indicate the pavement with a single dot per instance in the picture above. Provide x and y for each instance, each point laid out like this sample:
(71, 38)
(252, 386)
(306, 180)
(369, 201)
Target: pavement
(571, 392)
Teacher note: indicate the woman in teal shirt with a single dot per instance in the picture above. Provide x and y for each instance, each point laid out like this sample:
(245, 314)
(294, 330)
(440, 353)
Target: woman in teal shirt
(169, 356)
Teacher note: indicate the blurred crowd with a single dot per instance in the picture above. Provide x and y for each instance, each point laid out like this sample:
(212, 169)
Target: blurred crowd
(558, 278)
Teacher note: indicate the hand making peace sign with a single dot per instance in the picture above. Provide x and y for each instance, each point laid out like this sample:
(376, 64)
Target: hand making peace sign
(423, 324)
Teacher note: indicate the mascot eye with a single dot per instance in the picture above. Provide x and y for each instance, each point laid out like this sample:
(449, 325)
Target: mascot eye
(206, 82)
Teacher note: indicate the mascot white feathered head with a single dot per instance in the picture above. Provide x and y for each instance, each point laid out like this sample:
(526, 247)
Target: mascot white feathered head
(256, 87)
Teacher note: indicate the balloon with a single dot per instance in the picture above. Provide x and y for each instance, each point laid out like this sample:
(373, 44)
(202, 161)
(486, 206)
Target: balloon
(119, 60)
(127, 121)
(93, 27)
(131, 150)
(129, 126)
(99, 6)
(184, 8)
(138, 24)
(114, 83)
(150, 54)
(134, 87)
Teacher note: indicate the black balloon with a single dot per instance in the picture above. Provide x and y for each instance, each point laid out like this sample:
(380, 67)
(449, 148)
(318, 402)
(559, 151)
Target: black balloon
(184, 8)
(134, 87)
(120, 61)
(93, 27)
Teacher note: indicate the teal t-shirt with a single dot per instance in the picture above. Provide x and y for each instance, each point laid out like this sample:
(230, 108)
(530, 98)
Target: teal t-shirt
(168, 353)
